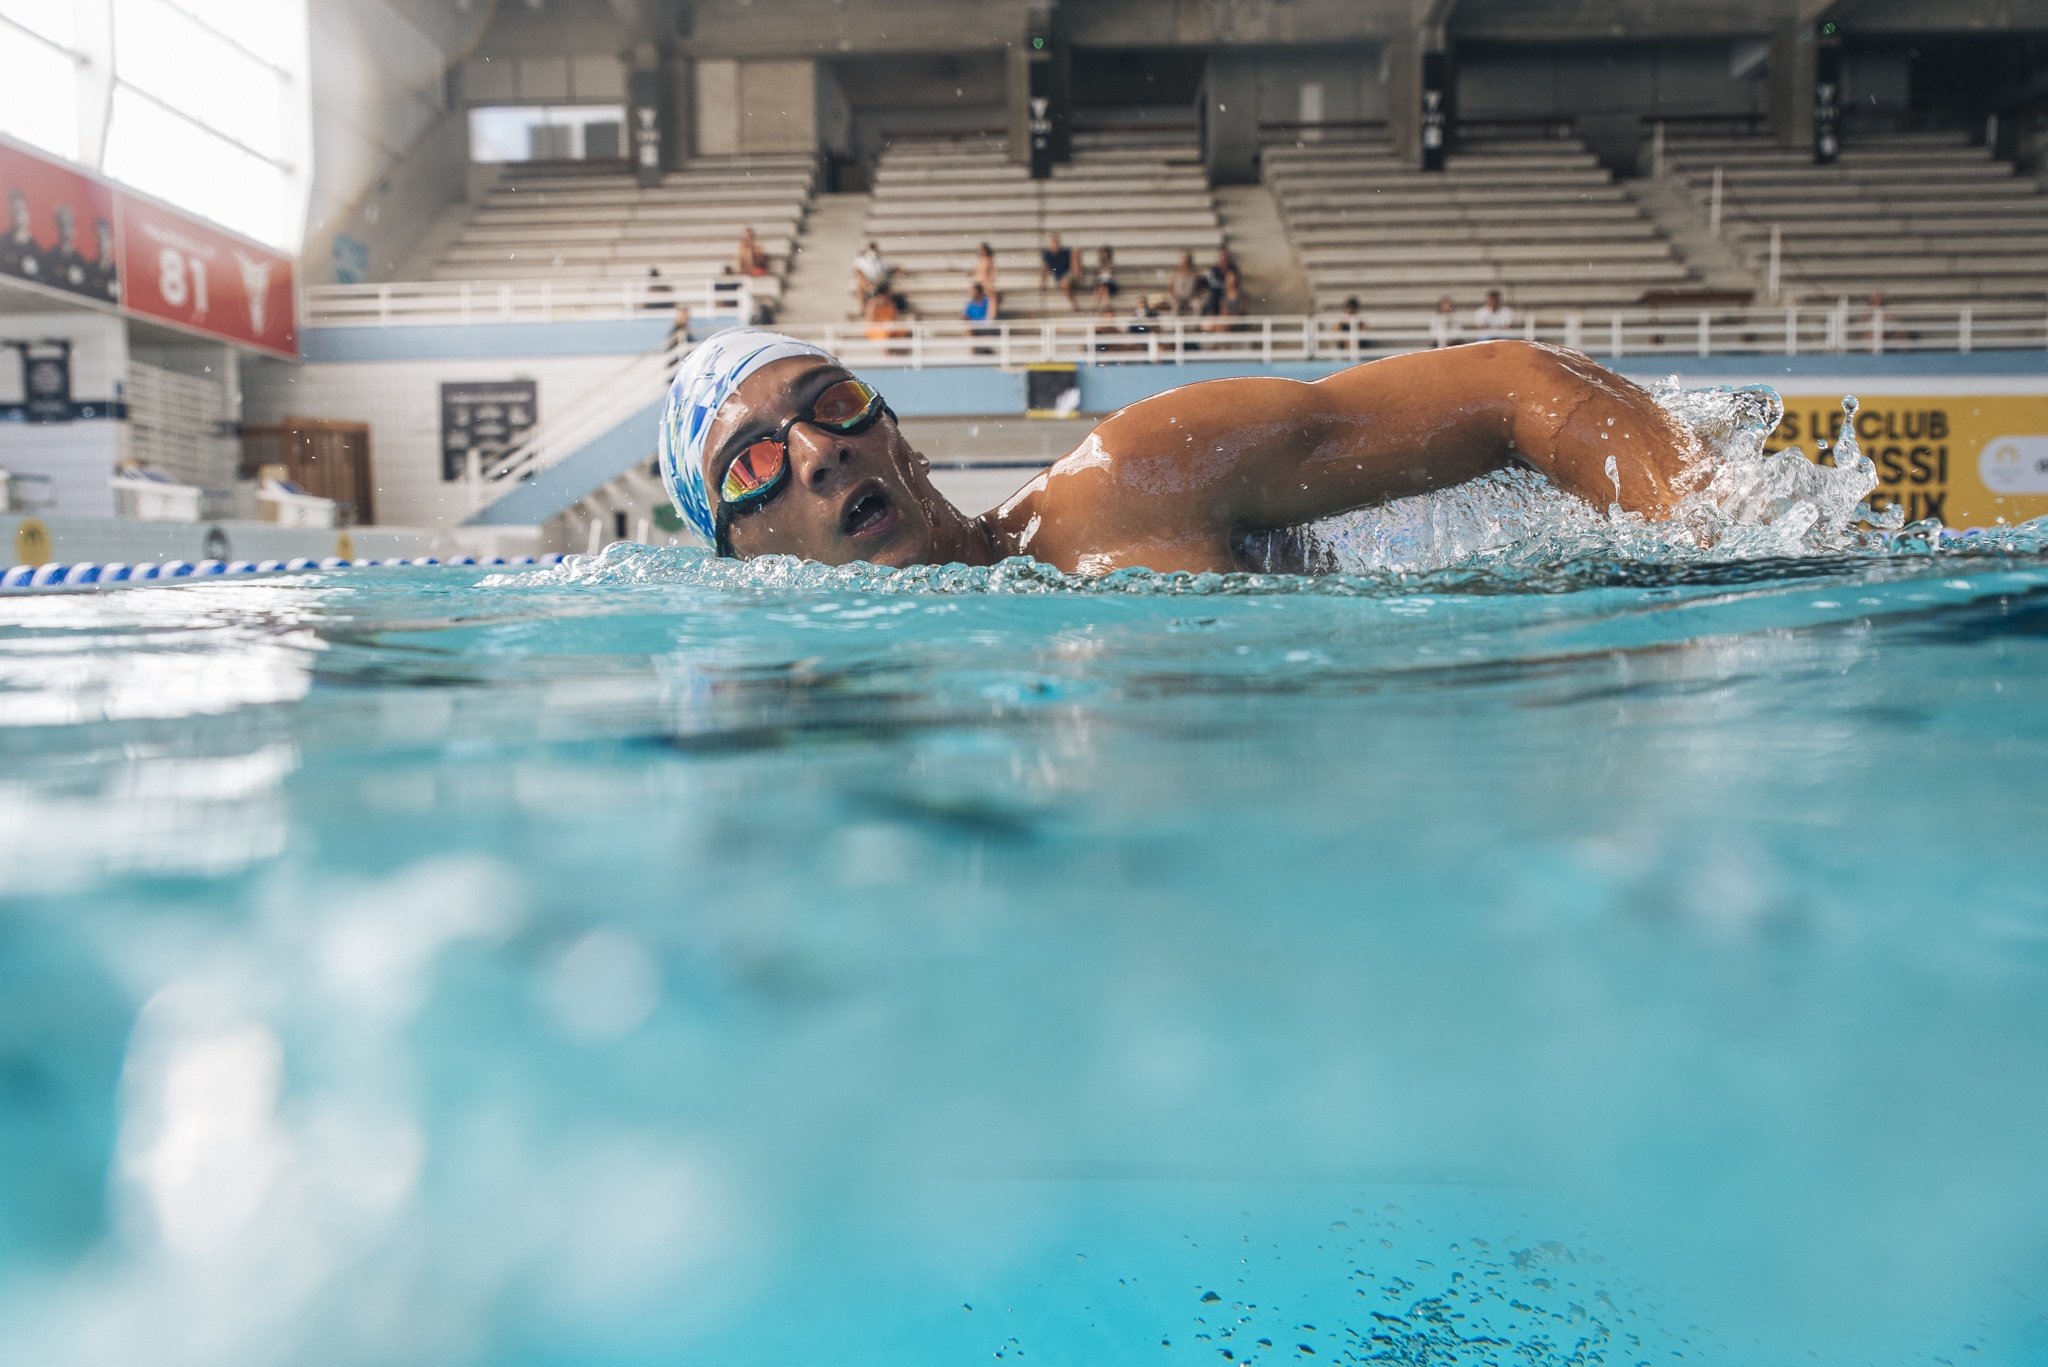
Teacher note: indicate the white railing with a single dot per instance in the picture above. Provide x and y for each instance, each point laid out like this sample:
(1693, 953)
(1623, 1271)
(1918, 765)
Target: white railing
(404, 303)
(1834, 326)
(1799, 327)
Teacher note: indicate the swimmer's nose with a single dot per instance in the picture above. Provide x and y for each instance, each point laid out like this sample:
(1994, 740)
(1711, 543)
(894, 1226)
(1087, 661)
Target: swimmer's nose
(818, 458)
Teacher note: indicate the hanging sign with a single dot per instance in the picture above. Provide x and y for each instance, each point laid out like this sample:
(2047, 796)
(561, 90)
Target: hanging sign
(1041, 118)
(485, 417)
(1436, 113)
(643, 116)
(1827, 104)
(69, 230)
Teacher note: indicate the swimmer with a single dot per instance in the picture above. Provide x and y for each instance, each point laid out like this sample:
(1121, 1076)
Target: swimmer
(770, 446)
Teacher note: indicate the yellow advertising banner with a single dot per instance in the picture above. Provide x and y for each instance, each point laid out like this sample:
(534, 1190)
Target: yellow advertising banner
(1971, 460)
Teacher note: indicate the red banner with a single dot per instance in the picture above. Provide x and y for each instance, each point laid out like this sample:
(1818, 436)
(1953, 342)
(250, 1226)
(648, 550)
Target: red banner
(186, 272)
(60, 227)
(68, 230)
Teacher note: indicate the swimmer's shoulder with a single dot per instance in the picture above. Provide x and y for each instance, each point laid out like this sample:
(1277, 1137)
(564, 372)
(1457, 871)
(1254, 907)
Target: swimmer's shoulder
(1093, 511)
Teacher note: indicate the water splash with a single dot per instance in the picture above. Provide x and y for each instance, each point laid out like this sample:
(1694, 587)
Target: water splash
(1508, 531)
(1751, 504)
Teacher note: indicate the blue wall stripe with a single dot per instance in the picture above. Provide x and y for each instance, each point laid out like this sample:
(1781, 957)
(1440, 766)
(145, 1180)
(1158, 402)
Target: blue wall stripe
(485, 341)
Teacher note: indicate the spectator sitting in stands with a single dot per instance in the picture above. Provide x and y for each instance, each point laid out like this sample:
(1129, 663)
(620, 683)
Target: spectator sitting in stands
(1222, 286)
(1141, 321)
(1443, 328)
(881, 308)
(1105, 279)
(1493, 319)
(984, 273)
(1056, 263)
(1184, 285)
(980, 308)
(660, 294)
(1220, 271)
(1233, 305)
(1351, 327)
(1226, 303)
(750, 257)
(885, 313)
(871, 273)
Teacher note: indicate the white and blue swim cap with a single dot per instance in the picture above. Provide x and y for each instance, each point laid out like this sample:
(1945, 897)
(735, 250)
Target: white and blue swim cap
(709, 375)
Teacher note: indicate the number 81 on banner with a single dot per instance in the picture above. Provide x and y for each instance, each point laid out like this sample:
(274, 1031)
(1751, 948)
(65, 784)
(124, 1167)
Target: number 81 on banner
(181, 278)
(194, 275)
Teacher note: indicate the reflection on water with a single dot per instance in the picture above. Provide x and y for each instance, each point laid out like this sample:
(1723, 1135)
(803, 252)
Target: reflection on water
(656, 959)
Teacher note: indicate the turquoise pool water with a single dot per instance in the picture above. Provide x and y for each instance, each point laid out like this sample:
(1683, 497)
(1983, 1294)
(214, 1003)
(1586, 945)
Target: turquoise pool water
(1581, 954)
(649, 961)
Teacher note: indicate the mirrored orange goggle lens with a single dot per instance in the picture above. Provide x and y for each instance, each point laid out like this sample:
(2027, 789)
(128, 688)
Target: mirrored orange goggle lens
(755, 472)
(844, 404)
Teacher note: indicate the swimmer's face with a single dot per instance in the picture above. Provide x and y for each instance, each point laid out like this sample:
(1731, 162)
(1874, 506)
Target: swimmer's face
(867, 496)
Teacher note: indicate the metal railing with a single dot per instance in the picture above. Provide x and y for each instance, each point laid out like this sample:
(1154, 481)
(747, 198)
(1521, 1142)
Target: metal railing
(421, 302)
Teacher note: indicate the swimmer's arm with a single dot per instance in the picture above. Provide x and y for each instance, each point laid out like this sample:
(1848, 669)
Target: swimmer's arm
(1257, 453)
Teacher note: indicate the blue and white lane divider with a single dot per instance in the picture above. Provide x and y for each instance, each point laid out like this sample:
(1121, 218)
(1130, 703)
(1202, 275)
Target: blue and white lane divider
(58, 576)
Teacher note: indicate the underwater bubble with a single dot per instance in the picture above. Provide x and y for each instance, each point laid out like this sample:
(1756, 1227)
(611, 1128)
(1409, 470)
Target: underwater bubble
(602, 987)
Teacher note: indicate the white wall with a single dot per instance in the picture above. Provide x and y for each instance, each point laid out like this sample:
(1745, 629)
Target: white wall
(78, 458)
(1674, 76)
(401, 402)
(388, 156)
(778, 107)
(756, 107)
(1352, 88)
(181, 398)
(718, 108)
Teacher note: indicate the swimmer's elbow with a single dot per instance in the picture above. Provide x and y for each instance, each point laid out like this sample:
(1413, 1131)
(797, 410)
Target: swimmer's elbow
(1516, 360)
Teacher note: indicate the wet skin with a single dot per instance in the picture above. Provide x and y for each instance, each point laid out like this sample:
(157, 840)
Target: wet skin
(1174, 481)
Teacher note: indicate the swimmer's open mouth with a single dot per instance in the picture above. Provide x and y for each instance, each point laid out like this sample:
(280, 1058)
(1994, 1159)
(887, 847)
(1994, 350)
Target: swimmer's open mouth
(870, 511)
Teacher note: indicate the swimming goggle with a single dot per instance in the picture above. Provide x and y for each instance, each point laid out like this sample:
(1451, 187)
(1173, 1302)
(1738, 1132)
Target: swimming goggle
(845, 409)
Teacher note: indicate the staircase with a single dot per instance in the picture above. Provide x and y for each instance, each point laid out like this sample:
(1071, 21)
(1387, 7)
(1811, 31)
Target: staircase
(1678, 216)
(820, 285)
(581, 448)
(1272, 277)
